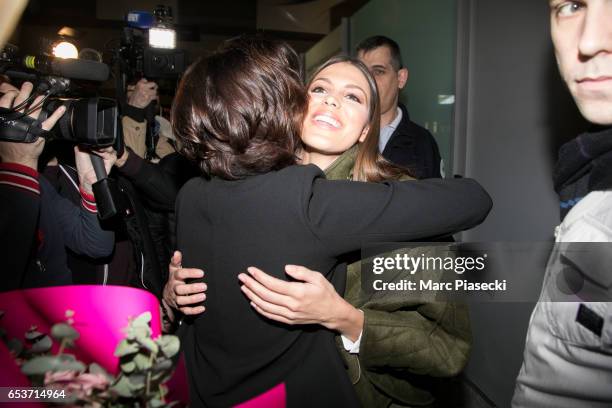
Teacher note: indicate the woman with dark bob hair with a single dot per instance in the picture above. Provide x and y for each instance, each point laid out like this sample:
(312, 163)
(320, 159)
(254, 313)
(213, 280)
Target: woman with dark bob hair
(238, 113)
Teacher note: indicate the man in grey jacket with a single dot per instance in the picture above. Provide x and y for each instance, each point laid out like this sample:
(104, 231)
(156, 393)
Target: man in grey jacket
(568, 352)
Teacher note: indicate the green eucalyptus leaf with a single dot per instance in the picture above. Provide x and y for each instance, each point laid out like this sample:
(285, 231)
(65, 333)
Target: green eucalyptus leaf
(155, 378)
(156, 403)
(61, 331)
(68, 399)
(32, 335)
(67, 358)
(162, 376)
(149, 344)
(169, 345)
(95, 368)
(137, 381)
(138, 332)
(142, 361)
(142, 320)
(162, 365)
(126, 347)
(72, 366)
(128, 367)
(2, 333)
(123, 387)
(15, 346)
(40, 365)
(42, 346)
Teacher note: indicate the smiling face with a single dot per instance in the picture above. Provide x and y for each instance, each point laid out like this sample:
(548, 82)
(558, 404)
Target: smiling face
(338, 113)
(582, 35)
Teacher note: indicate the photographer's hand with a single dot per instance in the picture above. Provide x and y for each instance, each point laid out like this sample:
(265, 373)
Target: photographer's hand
(87, 175)
(121, 160)
(141, 94)
(24, 153)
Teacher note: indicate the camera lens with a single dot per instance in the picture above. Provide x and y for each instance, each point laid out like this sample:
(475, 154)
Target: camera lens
(87, 121)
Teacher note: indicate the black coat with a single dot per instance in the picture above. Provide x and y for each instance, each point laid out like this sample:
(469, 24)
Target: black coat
(414, 148)
(293, 216)
(39, 227)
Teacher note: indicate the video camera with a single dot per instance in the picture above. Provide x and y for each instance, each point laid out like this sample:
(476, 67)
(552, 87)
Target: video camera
(87, 121)
(148, 46)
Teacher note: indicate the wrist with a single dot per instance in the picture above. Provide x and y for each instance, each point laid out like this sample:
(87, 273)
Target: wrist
(22, 161)
(121, 160)
(168, 310)
(20, 176)
(347, 320)
(88, 201)
(168, 317)
(86, 187)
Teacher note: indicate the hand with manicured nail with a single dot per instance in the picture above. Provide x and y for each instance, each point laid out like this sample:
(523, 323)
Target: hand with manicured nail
(311, 299)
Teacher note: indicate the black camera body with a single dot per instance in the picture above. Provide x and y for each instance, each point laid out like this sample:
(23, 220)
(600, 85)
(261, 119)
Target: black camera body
(139, 60)
(87, 121)
(163, 63)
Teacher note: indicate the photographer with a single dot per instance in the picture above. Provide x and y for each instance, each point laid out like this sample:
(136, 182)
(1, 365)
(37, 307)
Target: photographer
(139, 115)
(39, 224)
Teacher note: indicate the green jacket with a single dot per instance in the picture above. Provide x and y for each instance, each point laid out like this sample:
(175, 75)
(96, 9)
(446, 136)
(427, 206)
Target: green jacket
(404, 342)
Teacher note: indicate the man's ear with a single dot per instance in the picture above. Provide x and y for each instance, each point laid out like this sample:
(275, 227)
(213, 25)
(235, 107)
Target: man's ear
(402, 77)
(364, 134)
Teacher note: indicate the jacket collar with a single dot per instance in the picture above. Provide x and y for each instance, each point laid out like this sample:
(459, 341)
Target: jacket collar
(403, 126)
(342, 167)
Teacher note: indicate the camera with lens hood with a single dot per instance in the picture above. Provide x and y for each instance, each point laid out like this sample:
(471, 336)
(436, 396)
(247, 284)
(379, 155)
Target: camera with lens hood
(87, 121)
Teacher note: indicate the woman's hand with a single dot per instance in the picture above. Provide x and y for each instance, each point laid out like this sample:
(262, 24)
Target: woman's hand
(313, 300)
(180, 295)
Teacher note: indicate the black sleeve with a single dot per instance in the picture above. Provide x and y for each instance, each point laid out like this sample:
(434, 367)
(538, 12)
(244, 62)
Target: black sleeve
(345, 214)
(158, 183)
(19, 209)
(80, 228)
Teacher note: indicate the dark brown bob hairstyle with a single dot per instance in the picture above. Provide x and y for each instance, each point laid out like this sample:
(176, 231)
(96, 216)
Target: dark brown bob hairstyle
(238, 112)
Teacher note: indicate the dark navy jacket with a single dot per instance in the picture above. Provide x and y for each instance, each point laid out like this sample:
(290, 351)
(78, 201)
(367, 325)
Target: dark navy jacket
(414, 148)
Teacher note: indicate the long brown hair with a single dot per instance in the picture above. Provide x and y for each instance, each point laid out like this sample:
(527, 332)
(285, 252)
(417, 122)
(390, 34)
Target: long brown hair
(370, 165)
(238, 112)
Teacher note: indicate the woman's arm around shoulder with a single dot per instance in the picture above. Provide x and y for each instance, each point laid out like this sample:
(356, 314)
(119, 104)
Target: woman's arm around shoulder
(344, 214)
